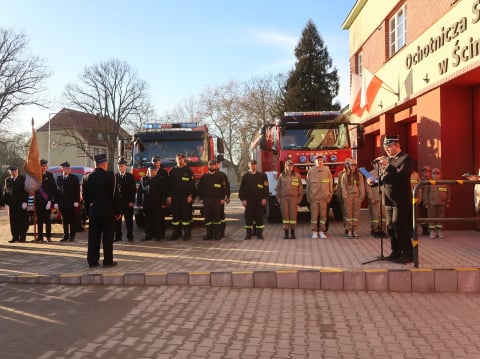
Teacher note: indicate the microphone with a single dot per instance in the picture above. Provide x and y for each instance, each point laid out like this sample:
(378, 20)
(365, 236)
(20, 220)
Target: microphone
(377, 160)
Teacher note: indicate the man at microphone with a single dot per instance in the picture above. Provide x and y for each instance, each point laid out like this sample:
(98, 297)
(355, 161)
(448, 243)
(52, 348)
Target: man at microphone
(397, 197)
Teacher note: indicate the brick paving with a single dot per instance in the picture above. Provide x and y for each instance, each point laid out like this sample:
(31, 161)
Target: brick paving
(335, 263)
(64, 321)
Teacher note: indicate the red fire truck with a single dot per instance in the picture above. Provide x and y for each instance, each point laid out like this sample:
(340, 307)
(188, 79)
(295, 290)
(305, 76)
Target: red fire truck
(301, 137)
(167, 140)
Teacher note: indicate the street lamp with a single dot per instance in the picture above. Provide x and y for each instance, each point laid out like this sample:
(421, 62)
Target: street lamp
(49, 146)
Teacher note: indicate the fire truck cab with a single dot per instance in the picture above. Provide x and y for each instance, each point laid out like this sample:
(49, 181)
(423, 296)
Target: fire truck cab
(301, 137)
(167, 140)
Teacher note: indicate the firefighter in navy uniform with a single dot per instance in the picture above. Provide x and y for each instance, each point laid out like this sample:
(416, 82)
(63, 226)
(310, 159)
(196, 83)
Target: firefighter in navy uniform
(44, 200)
(152, 198)
(223, 224)
(253, 193)
(160, 196)
(16, 198)
(181, 193)
(212, 190)
(68, 187)
(126, 197)
(397, 197)
(101, 202)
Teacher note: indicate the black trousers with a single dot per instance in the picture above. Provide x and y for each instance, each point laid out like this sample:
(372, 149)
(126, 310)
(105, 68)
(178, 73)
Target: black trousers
(18, 223)
(127, 214)
(100, 230)
(181, 211)
(398, 229)
(43, 217)
(68, 219)
(254, 212)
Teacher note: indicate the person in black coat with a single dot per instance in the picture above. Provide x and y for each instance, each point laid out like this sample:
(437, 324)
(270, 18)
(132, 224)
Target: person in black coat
(68, 187)
(253, 193)
(152, 198)
(126, 196)
(212, 190)
(397, 197)
(100, 194)
(44, 200)
(15, 196)
(181, 193)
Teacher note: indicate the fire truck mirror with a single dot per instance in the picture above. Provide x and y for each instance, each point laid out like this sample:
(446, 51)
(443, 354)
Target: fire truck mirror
(220, 146)
(263, 142)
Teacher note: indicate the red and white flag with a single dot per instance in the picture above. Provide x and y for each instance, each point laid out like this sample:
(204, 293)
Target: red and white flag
(32, 166)
(364, 89)
(370, 86)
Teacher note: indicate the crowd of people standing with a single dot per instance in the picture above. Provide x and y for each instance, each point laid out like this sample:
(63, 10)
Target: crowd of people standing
(110, 200)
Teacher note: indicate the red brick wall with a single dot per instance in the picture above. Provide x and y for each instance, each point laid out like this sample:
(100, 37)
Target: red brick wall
(421, 14)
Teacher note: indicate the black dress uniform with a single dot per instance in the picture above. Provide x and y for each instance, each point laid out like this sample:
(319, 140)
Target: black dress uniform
(45, 196)
(254, 189)
(212, 190)
(101, 202)
(16, 198)
(68, 194)
(181, 186)
(152, 197)
(126, 195)
(397, 197)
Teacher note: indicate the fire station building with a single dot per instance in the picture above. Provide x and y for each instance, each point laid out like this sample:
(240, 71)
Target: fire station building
(415, 72)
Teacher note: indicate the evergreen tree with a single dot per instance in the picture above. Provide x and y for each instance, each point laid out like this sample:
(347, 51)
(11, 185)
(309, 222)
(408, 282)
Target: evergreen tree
(313, 84)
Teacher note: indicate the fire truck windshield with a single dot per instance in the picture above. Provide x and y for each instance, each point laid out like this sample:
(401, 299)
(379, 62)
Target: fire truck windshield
(315, 136)
(194, 151)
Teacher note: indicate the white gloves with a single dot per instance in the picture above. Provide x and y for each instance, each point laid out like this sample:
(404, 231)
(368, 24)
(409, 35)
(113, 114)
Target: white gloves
(55, 206)
(75, 204)
(24, 205)
(49, 205)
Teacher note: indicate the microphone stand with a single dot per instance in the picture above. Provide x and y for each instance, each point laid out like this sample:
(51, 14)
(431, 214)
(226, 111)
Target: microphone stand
(381, 257)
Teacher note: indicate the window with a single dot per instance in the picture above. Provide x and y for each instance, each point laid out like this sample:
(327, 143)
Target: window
(359, 64)
(398, 30)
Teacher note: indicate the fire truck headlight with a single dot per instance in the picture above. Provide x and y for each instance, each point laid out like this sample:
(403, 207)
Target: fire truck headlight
(302, 159)
(312, 158)
(333, 158)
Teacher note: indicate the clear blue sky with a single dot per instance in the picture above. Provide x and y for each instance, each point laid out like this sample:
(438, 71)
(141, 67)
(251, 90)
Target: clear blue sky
(179, 47)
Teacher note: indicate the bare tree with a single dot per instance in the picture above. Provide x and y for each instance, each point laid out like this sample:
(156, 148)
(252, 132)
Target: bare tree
(21, 74)
(110, 90)
(188, 111)
(238, 111)
(221, 106)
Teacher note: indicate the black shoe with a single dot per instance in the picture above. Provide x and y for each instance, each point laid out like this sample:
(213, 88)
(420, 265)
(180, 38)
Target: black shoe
(93, 265)
(117, 240)
(110, 264)
(393, 256)
(130, 240)
(403, 260)
(64, 239)
(13, 241)
(146, 239)
(72, 239)
(49, 239)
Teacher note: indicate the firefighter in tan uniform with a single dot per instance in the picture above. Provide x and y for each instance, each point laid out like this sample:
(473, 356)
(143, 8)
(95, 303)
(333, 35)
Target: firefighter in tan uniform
(436, 199)
(289, 195)
(352, 187)
(319, 194)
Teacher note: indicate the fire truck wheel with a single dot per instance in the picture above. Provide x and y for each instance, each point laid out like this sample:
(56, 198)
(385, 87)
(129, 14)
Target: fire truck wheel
(274, 215)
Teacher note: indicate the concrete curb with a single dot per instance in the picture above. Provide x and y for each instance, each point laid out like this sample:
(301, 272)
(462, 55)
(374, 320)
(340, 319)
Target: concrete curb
(462, 280)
